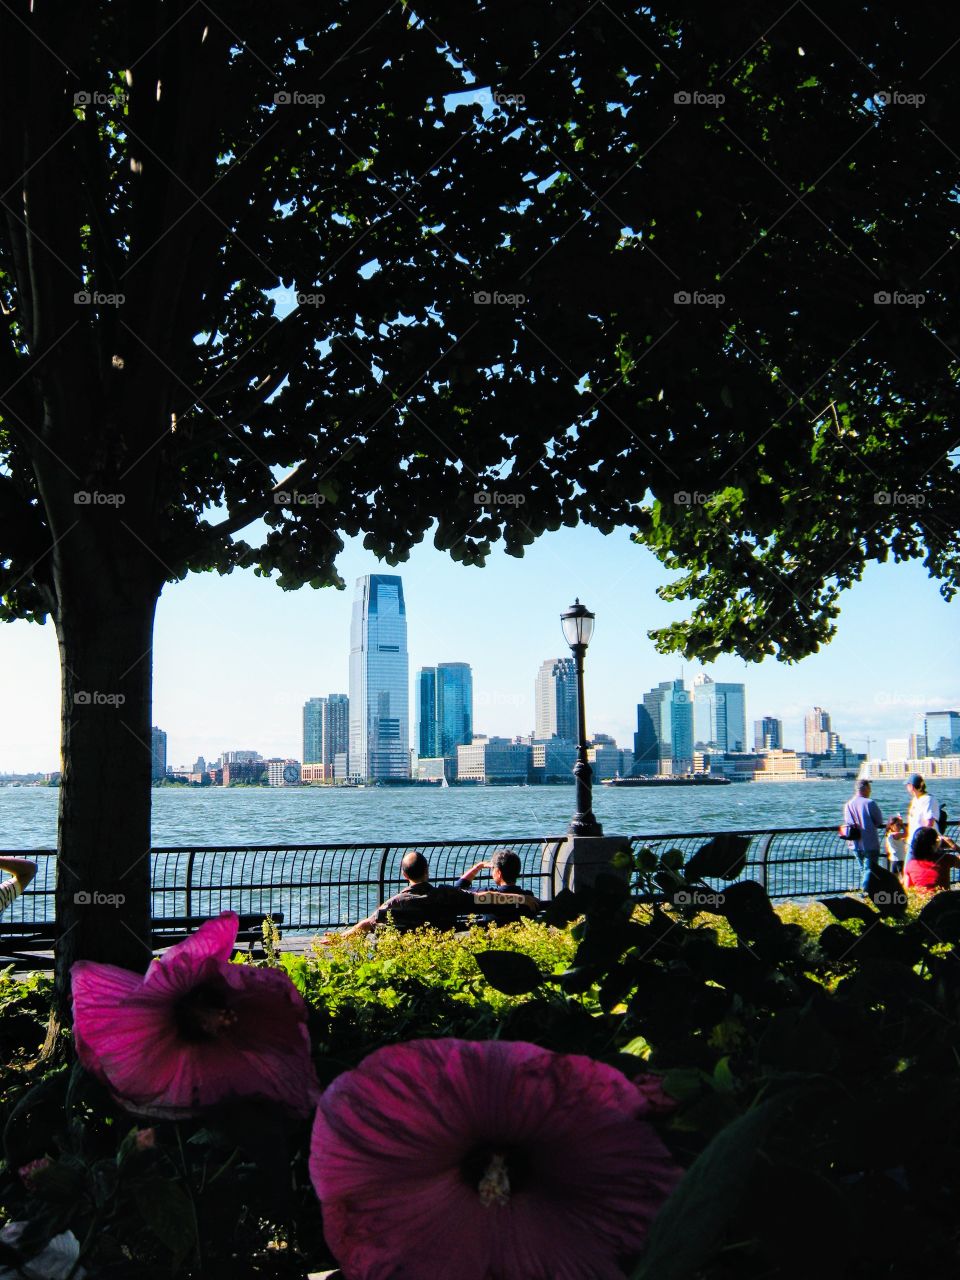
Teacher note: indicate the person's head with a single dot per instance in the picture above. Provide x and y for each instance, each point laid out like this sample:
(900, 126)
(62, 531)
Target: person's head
(896, 826)
(916, 785)
(863, 788)
(925, 844)
(505, 866)
(414, 867)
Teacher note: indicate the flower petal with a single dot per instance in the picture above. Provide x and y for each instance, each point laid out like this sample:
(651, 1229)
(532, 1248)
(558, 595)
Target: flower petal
(204, 951)
(396, 1140)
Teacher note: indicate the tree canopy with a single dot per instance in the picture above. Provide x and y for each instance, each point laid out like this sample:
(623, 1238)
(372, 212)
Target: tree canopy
(624, 263)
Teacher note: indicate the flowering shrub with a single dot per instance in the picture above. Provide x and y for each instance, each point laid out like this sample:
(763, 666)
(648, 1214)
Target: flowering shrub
(810, 1054)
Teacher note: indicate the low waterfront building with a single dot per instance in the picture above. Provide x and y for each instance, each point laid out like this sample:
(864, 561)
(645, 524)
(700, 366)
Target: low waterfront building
(493, 760)
(283, 773)
(552, 760)
(927, 766)
(780, 766)
(244, 772)
(435, 769)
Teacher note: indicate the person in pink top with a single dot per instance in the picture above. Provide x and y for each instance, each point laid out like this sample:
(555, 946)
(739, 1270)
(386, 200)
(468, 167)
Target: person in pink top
(929, 862)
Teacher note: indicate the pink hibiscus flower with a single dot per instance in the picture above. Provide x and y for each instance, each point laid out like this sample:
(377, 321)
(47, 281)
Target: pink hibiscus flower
(194, 1030)
(491, 1160)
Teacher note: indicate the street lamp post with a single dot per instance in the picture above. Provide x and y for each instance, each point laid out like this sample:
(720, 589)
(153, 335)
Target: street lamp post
(578, 629)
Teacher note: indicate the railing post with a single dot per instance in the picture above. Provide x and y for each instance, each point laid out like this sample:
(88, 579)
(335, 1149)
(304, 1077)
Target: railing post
(382, 876)
(188, 896)
(766, 840)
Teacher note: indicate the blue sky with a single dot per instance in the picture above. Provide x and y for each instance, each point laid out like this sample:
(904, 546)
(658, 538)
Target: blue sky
(236, 657)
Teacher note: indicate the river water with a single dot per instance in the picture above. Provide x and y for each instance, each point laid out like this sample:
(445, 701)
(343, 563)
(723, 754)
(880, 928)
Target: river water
(318, 815)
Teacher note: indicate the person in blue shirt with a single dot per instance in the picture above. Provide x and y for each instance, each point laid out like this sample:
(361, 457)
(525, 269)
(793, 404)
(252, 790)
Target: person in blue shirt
(504, 867)
(862, 827)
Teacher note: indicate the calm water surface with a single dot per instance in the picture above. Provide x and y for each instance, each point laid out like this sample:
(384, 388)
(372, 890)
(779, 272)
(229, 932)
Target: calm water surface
(314, 815)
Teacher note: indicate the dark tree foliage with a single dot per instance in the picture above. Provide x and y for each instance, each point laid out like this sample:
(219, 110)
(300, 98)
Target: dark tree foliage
(637, 285)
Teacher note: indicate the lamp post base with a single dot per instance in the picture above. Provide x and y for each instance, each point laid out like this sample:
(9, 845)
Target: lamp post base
(581, 858)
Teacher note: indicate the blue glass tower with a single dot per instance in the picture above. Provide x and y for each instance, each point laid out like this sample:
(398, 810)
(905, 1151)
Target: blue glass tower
(454, 706)
(379, 680)
(425, 701)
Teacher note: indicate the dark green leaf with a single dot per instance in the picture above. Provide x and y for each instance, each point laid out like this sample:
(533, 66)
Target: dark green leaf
(509, 971)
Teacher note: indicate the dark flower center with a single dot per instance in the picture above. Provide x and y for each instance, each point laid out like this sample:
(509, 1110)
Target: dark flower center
(204, 1013)
(495, 1173)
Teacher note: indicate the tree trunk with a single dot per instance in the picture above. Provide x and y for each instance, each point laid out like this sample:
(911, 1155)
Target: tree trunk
(104, 624)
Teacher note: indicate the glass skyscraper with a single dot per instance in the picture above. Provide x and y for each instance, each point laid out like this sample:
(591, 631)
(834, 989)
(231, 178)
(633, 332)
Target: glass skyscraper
(443, 697)
(942, 732)
(719, 715)
(326, 728)
(663, 742)
(379, 680)
(425, 702)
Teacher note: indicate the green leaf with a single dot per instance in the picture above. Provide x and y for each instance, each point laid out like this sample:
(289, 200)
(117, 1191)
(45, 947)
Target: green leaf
(509, 971)
(167, 1210)
(849, 909)
(723, 858)
(692, 1222)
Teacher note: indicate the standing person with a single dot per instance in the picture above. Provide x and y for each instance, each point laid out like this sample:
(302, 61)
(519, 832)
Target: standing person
(896, 845)
(924, 810)
(17, 872)
(862, 824)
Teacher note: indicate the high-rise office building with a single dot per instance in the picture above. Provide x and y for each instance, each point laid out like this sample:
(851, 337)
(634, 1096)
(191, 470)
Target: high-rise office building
(719, 715)
(768, 734)
(663, 742)
(158, 754)
(942, 731)
(425, 713)
(379, 688)
(454, 706)
(555, 700)
(326, 729)
(818, 737)
(443, 701)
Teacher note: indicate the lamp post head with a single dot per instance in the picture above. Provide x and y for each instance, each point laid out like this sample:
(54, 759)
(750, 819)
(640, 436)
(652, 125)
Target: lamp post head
(577, 625)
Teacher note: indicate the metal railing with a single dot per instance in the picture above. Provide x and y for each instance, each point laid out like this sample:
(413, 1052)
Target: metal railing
(317, 887)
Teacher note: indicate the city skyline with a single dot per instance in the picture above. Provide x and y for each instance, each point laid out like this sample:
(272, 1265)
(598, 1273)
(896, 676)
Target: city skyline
(503, 621)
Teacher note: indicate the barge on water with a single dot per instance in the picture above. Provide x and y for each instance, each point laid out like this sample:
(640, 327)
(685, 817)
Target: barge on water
(667, 780)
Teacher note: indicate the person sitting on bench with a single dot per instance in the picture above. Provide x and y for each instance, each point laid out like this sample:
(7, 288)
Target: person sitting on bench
(504, 867)
(420, 903)
(18, 873)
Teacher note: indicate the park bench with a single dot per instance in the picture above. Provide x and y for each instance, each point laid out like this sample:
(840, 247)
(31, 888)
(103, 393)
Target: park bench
(493, 907)
(18, 937)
